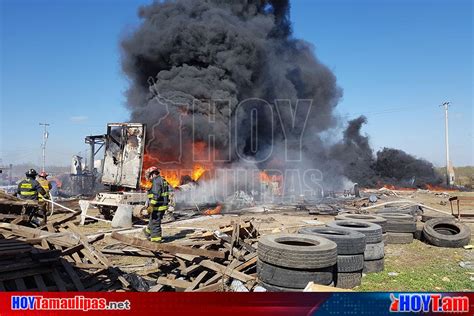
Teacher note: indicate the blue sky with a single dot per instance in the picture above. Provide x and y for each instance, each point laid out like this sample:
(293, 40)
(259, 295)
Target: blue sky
(396, 61)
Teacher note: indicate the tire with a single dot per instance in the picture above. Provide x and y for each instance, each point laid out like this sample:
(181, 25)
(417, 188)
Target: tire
(401, 226)
(373, 266)
(366, 218)
(399, 238)
(397, 217)
(297, 251)
(372, 232)
(274, 288)
(426, 217)
(384, 238)
(348, 280)
(435, 231)
(349, 242)
(350, 263)
(374, 251)
(292, 278)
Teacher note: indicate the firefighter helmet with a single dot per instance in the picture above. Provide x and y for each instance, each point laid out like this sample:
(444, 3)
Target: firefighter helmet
(151, 170)
(43, 174)
(31, 173)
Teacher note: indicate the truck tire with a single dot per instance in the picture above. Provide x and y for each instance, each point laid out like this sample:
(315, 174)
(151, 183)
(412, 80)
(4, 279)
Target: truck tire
(350, 263)
(348, 280)
(426, 217)
(297, 251)
(292, 278)
(374, 251)
(395, 226)
(372, 232)
(446, 232)
(373, 266)
(399, 238)
(349, 242)
(363, 217)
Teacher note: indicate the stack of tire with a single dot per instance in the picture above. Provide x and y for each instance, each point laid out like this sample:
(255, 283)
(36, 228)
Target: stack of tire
(288, 262)
(400, 227)
(374, 249)
(350, 253)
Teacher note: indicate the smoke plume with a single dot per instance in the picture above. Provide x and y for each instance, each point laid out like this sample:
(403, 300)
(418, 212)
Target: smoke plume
(227, 76)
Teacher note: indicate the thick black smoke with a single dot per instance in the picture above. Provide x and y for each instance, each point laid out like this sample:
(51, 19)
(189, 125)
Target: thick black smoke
(187, 52)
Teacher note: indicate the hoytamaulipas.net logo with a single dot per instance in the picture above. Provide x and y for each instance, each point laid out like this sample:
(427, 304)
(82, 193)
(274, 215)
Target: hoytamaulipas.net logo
(428, 302)
(78, 302)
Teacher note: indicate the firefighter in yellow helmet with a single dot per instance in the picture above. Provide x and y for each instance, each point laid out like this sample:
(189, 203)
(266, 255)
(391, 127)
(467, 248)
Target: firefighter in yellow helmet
(42, 179)
(30, 189)
(158, 199)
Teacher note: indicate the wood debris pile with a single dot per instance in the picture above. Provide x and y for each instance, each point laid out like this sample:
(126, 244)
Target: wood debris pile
(209, 261)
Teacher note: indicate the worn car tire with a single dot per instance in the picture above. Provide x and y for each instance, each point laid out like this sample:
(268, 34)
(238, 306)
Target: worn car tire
(399, 238)
(297, 251)
(397, 217)
(426, 217)
(372, 232)
(364, 217)
(349, 242)
(446, 232)
(401, 226)
(350, 263)
(348, 280)
(374, 251)
(373, 266)
(292, 278)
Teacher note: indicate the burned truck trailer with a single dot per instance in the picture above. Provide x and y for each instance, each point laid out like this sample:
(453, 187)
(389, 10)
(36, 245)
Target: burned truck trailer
(121, 169)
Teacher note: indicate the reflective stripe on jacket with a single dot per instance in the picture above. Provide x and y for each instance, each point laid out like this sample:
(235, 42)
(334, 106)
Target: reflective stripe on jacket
(29, 189)
(158, 194)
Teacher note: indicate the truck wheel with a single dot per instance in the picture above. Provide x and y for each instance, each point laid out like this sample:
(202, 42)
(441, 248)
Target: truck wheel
(372, 232)
(348, 280)
(350, 263)
(363, 217)
(446, 232)
(374, 251)
(292, 278)
(297, 251)
(349, 242)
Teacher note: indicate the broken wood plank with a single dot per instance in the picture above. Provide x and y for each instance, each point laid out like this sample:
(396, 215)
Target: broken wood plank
(196, 281)
(170, 248)
(176, 283)
(214, 287)
(72, 274)
(226, 271)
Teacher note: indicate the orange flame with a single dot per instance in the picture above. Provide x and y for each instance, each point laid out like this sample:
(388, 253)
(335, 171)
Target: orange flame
(213, 211)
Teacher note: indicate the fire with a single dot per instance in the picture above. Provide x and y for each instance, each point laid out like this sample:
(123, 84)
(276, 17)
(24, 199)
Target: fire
(439, 188)
(198, 171)
(213, 211)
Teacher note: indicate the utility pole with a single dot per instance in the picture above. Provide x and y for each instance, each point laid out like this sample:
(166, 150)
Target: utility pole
(446, 106)
(43, 145)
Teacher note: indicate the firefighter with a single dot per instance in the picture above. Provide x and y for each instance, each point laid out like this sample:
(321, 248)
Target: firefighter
(158, 199)
(43, 181)
(30, 189)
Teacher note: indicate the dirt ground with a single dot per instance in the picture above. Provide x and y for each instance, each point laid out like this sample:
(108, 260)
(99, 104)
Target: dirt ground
(413, 267)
